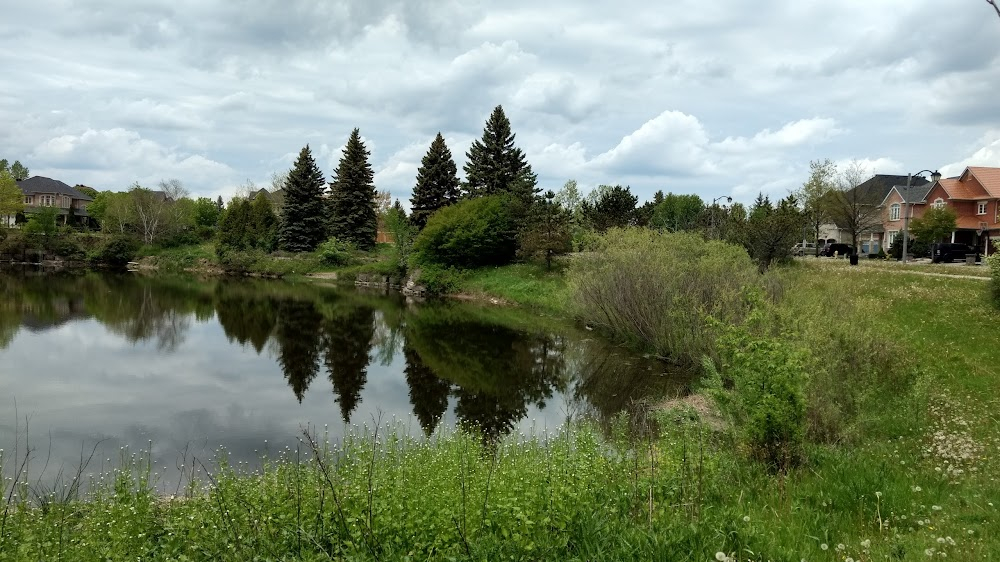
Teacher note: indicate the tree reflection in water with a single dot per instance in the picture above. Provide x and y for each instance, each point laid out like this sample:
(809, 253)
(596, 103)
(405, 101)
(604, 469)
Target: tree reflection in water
(494, 365)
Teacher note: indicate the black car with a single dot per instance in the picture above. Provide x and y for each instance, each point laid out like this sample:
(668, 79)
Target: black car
(945, 253)
(836, 249)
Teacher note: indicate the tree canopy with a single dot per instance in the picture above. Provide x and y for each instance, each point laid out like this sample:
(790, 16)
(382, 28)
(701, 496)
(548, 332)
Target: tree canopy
(935, 224)
(494, 166)
(351, 204)
(437, 183)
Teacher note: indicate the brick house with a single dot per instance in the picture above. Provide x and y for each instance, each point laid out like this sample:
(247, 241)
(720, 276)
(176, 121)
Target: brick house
(974, 195)
(42, 192)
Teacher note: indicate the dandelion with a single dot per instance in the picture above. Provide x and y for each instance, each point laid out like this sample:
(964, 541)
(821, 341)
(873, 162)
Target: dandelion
(929, 552)
(823, 546)
(746, 518)
(936, 507)
(721, 556)
(840, 547)
(866, 543)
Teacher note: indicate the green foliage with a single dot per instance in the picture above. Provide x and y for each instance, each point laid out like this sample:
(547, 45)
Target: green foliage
(547, 232)
(403, 232)
(248, 225)
(667, 292)
(118, 250)
(817, 195)
(206, 212)
(11, 199)
(494, 166)
(263, 224)
(935, 225)
(437, 183)
(677, 212)
(770, 231)
(335, 252)
(614, 207)
(472, 233)
(920, 248)
(19, 171)
(993, 262)
(303, 225)
(42, 222)
(761, 386)
(351, 204)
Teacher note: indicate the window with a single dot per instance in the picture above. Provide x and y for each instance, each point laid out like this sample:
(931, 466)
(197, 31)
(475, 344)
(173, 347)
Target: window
(939, 203)
(891, 237)
(894, 212)
(47, 200)
(27, 200)
(981, 208)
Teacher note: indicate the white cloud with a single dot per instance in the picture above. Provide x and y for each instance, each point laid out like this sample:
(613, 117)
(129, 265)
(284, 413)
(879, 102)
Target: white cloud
(796, 133)
(671, 143)
(986, 155)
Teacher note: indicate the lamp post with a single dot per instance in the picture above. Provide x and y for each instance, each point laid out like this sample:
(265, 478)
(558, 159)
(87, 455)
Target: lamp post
(714, 201)
(935, 176)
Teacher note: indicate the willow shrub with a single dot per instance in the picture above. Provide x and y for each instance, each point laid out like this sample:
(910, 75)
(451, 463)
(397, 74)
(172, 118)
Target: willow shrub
(663, 290)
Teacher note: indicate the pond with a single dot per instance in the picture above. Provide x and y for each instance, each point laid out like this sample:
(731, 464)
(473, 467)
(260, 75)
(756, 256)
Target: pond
(183, 367)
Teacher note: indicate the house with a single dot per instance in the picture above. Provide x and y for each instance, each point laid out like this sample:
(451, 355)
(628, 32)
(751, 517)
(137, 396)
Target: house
(276, 197)
(974, 195)
(40, 192)
(862, 209)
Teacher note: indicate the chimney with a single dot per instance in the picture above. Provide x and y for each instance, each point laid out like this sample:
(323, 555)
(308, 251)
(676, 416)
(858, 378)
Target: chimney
(935, 176)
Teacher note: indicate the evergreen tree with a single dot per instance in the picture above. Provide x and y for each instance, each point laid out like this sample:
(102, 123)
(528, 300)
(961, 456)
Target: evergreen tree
(437, 183)
(548, 232)
(264, 223)
(347, 341)
(219, 204)
(494, 166)
(18, 171)
(302, 225)
(235, 228)
(352, 216)
(297, 335)
(428, 393)
(614, 207)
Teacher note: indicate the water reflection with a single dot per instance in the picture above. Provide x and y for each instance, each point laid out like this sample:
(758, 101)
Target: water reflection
(181, 360)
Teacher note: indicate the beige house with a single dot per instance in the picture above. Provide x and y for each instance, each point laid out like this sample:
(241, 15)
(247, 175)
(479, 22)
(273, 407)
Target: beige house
(40, 192)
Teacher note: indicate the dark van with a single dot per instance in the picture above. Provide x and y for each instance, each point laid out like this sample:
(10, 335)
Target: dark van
(836, 249)
(947, 252)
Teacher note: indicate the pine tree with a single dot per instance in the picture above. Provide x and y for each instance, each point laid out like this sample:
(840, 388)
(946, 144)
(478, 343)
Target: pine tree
(264, 223)
(494, 166)
(437, 183)
(351, 205)
(302, 225)
(19, 171)
(548, 231)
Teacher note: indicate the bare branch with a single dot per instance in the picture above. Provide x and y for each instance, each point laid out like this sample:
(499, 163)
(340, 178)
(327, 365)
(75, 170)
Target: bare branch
(994, 4)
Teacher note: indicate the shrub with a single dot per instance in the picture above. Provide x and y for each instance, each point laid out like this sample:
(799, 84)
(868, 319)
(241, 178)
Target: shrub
(118, 250)
(471, 233)
(660, 289)
(335, 252)
(236, 261)
(993, 262)
(761, 387)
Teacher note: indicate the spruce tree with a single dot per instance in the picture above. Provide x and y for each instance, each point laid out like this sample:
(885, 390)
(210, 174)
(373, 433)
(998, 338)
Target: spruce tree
(437, 183)
(302, 224)
(494, 166)
(351, 206)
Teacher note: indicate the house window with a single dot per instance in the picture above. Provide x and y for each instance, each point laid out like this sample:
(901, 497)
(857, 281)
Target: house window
(47, 200)
(981, 208)
(27, 200)
(891, 237)
(894, 212)
(939, 203)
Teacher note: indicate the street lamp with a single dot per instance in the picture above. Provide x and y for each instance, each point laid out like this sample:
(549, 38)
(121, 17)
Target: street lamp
(714, 201)
(935, 176)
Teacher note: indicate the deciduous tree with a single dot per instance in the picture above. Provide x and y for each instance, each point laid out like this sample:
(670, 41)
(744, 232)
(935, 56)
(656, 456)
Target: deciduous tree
(818, 196)
(11, 198)
(770, 230)
(935, 225)
(18, 171)
(613, 207)
(852, 207)
(675, 213)
(352, 215)
(548, 231)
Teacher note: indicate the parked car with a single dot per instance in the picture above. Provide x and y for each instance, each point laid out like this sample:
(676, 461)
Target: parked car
(837, 249)
(947, 252)
(807, 249)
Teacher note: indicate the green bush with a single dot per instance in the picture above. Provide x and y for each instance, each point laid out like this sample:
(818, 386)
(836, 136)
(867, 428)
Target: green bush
(760, 387)
(335, 252)
(237, 261)
(118, 250)
(472, 233)
(993, 262)
(660, 290)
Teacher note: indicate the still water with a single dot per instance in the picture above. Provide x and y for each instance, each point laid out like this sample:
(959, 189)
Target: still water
(181, 367)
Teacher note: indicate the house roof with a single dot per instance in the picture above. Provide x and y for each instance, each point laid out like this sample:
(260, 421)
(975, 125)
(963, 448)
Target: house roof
(912, 194)
(962, 190)
(969, 222)
(877, 188)
(989, 178)
(39, 184)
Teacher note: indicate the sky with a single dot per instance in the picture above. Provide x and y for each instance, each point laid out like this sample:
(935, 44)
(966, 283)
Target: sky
(720, 98)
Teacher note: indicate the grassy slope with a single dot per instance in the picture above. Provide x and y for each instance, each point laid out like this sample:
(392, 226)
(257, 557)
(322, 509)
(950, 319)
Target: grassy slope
(530, 285)
(893, 494)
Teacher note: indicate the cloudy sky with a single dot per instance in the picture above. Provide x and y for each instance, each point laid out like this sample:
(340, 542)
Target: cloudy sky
(717, 98)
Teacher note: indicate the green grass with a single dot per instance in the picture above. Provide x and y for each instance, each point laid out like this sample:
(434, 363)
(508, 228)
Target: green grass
(912, 474)
(530, 285)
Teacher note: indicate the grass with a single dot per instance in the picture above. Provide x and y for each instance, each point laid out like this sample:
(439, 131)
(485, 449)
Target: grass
(892, 265)
(912, 480)
(528, 284)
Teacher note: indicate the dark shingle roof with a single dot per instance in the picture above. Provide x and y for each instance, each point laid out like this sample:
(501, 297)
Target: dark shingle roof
(39, 184)
(875, 189)
(914, 193)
